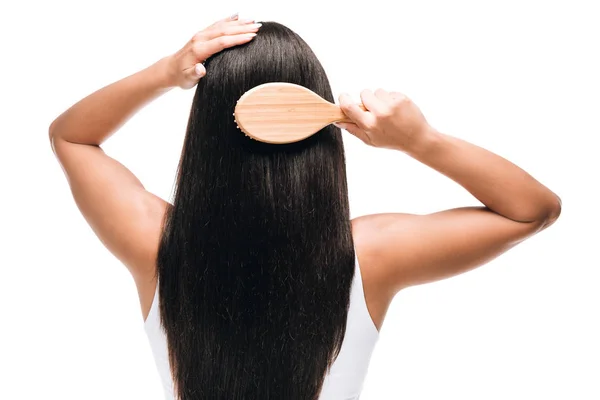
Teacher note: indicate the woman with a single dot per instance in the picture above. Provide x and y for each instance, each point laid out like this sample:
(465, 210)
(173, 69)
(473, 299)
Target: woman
(254, 283)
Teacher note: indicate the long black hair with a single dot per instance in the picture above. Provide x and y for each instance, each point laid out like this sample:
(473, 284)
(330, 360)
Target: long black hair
(256, 258)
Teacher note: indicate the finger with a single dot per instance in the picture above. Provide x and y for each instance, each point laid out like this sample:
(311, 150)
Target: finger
(397, 96)
(192, 75)
(233, 17)
(242, 21)
(207, 49)
(232, 20)
(228, 30)
(371, 102)
(197, 71)
(354, 130)
(361, 118)
(384, 96)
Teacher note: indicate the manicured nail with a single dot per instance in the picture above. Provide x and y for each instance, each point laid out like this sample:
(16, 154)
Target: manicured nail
(257, 25)
(234, 16)
(200, 71)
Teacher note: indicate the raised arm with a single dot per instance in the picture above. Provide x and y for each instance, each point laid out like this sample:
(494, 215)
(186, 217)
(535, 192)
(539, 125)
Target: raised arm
(413, 249)
(124, 216)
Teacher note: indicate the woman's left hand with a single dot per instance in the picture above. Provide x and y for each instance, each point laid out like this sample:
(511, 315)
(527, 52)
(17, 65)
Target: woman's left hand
(185, 66)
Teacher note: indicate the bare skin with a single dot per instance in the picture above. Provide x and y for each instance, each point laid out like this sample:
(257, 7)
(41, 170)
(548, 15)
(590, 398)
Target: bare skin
(395, 250)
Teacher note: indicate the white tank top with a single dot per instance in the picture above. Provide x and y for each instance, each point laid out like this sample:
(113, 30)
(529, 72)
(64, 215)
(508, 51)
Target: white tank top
(346, 376)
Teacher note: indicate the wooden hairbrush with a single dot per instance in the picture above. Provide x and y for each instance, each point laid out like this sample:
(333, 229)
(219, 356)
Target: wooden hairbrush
(279, 112)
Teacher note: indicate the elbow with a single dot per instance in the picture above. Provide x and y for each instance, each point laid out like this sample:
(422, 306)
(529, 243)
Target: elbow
(52, 129)
(552, 212)
(51, 134)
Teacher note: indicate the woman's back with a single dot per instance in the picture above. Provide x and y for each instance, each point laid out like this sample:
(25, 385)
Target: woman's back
(345, 379)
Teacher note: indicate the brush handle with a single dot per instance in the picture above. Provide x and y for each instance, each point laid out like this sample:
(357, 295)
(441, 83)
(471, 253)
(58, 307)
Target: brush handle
(344, 118)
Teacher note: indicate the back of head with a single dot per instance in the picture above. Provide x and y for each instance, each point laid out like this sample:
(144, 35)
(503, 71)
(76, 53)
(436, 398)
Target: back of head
(256, 259)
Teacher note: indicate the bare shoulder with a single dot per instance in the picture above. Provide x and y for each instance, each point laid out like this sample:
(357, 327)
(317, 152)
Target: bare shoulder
(367, 232)
(397, 250)
(148, 243)
(373, 241)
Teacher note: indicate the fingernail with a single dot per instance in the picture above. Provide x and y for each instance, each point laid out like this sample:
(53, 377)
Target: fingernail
(200, 71)
(247, 21)
(251, 34)
(257, 25)
(234, 16)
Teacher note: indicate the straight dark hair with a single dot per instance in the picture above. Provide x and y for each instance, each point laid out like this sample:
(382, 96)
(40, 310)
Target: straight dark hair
(256, 258)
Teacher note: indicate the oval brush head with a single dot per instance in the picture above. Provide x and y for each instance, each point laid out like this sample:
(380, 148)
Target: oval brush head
(279, 112)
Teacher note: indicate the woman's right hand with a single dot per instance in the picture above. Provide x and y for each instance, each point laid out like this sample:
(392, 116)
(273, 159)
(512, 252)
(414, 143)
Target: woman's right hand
(186, 65)
(391, 121)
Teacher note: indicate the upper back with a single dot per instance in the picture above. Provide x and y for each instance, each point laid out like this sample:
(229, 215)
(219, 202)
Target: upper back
(372, 284)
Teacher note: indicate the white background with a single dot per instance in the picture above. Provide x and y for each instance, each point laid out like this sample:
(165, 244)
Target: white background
(517, 77)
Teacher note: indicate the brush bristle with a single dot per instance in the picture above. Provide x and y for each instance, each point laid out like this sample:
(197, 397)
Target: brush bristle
(238, 127)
